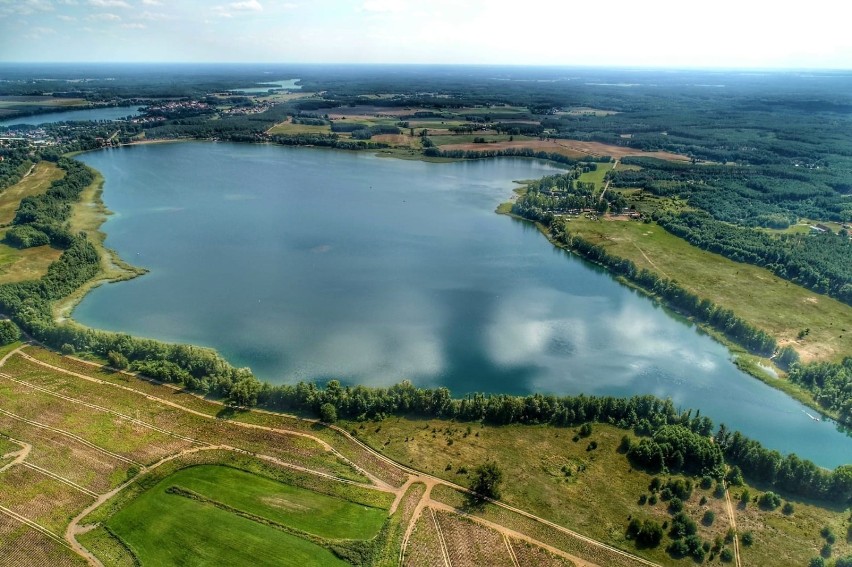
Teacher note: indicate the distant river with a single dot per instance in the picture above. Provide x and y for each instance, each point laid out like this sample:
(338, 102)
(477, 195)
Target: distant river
(107, 113)
(311, 264)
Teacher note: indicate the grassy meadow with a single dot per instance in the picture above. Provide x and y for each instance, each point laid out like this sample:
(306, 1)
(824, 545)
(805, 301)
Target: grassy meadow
(593, 491)
(777, 306)
(168, 529)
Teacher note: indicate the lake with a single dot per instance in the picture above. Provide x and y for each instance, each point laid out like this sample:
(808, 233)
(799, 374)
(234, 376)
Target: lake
(285, 85)
(309, 264)
(106, 113)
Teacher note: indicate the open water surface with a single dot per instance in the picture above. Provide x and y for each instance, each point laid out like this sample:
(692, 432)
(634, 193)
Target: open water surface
(309, 264)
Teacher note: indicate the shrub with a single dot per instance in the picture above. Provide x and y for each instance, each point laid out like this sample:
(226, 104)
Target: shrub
(328, 413)
(9, 332)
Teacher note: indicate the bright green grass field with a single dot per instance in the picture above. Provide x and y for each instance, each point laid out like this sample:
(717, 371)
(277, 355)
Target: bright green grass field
(167, 529)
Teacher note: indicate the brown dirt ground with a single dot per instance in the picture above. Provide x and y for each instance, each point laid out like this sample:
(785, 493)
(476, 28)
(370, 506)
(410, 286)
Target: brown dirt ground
(570, 148)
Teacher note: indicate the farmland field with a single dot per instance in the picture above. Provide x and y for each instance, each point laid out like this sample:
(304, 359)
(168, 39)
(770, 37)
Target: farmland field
(265, 488)
(165, 529)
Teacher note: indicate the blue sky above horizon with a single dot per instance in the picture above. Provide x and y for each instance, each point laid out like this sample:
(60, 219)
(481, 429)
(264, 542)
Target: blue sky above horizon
(653, 33)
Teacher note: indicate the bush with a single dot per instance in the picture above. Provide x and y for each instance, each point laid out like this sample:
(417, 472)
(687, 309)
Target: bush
(675, 505)
(747, 538)
(769, 500)
(328, 413)
(726, 555)
(9, 332)
(117, 360)
(788, 508)
(709, 518)
(486, 480)
(26, 236)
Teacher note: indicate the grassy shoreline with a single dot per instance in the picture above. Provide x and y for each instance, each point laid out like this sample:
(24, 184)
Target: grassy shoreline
(88, 215)
(745, 361)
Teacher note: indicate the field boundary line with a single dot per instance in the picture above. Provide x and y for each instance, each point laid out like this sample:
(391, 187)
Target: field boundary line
(324, 444)
(444, 551)
(512, 555)
(415, 515)
(61, 479)
(733, 520)
(580, 562)
(100, 408)
(70, 435)
(37, 527)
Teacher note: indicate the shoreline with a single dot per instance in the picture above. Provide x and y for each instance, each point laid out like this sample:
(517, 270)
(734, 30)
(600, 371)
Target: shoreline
(90, 213)
(746, 362)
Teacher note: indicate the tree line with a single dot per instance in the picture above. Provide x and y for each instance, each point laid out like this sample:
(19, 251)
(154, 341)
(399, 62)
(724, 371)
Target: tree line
(702, 310)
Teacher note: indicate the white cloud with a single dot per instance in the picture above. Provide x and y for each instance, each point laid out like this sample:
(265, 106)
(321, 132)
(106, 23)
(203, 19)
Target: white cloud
(383, 6)
(26, 7)
(104, 17)
(153, 16)
(246, 6)
(65, 18)
(134, 26)
(109, 3)
(151, 3)
(227, 11)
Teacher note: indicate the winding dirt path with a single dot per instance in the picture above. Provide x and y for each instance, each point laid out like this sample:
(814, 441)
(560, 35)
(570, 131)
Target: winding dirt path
(376, 483)
(20, 456)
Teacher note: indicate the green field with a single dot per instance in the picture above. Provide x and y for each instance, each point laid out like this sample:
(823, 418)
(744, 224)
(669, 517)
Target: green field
(162, 528)
(594, 492)
(777, 306)
(288, 127)
(318, 514)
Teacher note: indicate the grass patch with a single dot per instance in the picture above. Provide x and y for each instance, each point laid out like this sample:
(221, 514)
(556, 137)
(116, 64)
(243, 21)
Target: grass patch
(488, 135)
(781, 539)
(597, 176)
(30, 263)
(108, 548)
(776, 306)
(164, 529)
(303, 509)
(37, 182)
(288, 127)
(550, 475)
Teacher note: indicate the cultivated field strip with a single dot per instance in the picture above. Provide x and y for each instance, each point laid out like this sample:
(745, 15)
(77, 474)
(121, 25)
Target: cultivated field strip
(180, 422)
(529, 554)
(41, 498)
(69, 390)
(169, 394)
(424, 546)
(21, 545)
(129, 439)
(68, 455)
(470, 544)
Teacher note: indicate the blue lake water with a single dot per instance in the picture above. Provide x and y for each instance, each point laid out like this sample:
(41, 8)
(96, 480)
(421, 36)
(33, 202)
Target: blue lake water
(287, 85)
(108, 113)
(309, 264)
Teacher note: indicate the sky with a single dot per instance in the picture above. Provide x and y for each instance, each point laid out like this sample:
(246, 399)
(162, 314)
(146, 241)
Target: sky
(635, 33)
